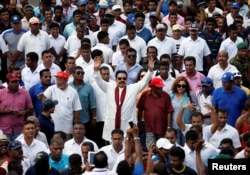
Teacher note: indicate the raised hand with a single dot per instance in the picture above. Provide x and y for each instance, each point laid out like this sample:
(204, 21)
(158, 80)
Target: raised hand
(151, 63)
(97, 62)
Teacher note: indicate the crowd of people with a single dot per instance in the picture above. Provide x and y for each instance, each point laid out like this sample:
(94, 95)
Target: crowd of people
(123, 86)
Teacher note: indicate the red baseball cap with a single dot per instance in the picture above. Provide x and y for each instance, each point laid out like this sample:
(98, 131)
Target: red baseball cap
(62, 75)
(157, 82)
(12, 76)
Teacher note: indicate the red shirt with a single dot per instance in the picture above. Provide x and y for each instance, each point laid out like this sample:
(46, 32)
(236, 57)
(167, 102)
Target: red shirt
(156, 110)
(14, 101)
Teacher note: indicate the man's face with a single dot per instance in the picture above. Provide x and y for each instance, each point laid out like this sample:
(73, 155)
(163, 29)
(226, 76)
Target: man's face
(161, 33)
(47, 58)
(233, 34)
(80, 33)
(16, 26)
(78, 74)
(227, 85)
(131, 58)
(104, 27)
(121, 80)
(163, 71)
(176, 34)
(139, 22)
(13, 85)
(111, 18)
(171, 137)
(131, 34)
(76, 18)
(78, 131)
(197, 120)
(176, 162)
(193, 34)
(34, 28)
(206, 89)
(242, 53)
(127, 8)
(117, 12)
(17, 153)
(247, 152)
(222, 58)
(151, 6)
(54, 31)
(85, 53)
(123, 48)
(152, 53)
(117, 140)
(69, 65)
(58, 13)
(3, 147)
(189, 66)
(48, 15)
(210, 26)
(237, 81)
(28, 13)
(85, 150)
(46, 78)
(211, 5)
(191, 144)
(29, 130)
(61, 82)
(4, 16)
(105, 74)
(172, 19)
(56, 151)
(222, 119)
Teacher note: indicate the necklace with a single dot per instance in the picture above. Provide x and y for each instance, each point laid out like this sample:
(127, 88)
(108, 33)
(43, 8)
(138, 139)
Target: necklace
(180, 171)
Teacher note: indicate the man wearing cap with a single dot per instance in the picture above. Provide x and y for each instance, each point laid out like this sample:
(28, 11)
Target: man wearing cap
(204, 96)
(117, 10)
(15, 104)
(3, 151)
(12, 36)
(194, 46)
(118, 115)
(216, 71)
(47, 125)
(67, 110)
(178, 38)
(82, 6)
(238, 82)
(242, 63)
(15, 152)
(163, 43)
(234, 11)
(35, 40)
(158, 118)
(103, 5)
(153, 21)
(163, 146)
(229, 97)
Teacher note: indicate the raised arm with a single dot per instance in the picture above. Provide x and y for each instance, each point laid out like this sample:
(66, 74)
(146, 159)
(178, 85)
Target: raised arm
(180, 114)
(213, 117)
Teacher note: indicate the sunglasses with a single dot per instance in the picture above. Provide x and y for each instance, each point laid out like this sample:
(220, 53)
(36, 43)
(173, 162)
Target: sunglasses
(131, 56)
(121, 78)
(181, 86)
(6, 144)
(78, 73)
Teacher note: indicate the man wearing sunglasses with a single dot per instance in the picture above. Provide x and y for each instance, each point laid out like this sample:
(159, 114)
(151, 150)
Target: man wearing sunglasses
(121, 98)
(87, 98)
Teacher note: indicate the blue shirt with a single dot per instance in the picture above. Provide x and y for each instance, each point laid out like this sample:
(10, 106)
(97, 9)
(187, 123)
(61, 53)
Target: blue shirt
(232, 101)
(132, 72)
(34, 91)
(60, 165)
(87, 99)
(47, 126)
(69, 29)
(145, 34)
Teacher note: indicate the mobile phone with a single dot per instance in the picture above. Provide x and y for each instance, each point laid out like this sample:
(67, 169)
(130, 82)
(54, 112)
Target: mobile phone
(91, 155)
(131, 124)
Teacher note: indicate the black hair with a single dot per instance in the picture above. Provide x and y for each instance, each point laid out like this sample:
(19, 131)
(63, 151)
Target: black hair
(177, 151)
(96, 53)
(190, 58)
(117, 131)
(191, 135)
(89, 144)
(42, 71)
(100, 160)
(101, 35)
(121, 71)
(33, 56)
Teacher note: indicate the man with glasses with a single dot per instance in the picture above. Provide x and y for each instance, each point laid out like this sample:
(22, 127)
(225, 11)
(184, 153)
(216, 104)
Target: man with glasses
(130, 66)
(121, 97)
(15, 104)
(87, 99)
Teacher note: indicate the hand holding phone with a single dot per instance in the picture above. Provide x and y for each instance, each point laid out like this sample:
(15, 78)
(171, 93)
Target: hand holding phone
(131, 124)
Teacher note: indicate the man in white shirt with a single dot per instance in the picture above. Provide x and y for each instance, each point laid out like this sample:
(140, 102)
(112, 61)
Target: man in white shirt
(118, 115)
(69, 106)
(30, 145)
(116, 148)
(73, 146)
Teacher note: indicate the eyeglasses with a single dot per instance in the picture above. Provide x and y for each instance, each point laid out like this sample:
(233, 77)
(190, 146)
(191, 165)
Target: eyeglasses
(6, 144)
(78, 73)
(181, 86)
(121, 78)
(131, 56)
